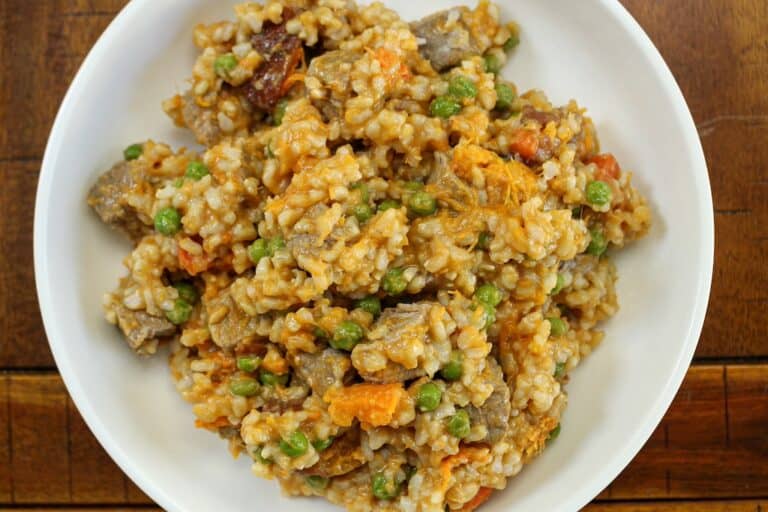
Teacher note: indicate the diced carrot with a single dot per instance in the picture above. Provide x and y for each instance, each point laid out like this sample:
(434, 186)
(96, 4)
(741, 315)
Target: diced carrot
(607, 166)
(389, 60)
(194, 264)
(525, 143)
(374, 404)
(481, 497)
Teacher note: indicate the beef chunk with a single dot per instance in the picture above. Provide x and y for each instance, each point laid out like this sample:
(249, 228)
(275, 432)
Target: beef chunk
(323, 370)
(343, 456)
(235, 326)
(494, 413)
(141, 329)
(108, 199)
(447, 39)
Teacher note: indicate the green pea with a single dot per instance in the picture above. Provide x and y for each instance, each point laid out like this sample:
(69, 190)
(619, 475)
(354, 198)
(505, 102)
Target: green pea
(178, 182)
(279, 113)
(320, 333)
(598, 193)
(346, 335)
(492, 63)
(413, 186)
(168, 221)
(187, 291)
(598, 244)
(258, 250)
(295, 445)
(316, 482)
(559, 284)
(180, 313)
(394, 282)
(365, 195)
(489, 313)
(422, 203)
(197, 171)
(462, 87)
(459, 424)
(428, 397)
(384, 488)
(559, 370)
(243, 386)
(553, 433)
(321, 445)
(272, 379)
(248, 363)
(557, 327)
(388, 204)
(275, 244)
(484, 240)
(505, 97)
(257, 454)
(488, 294)
(363, 212)
(133, 152)
(511, 43)
(444, 106)
(453, 369)
(224, 64)
(370, 304)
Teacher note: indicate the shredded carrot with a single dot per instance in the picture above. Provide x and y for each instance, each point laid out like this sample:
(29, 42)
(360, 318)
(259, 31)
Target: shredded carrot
(219, 422)
(466, 454)
(194, 264)
(374, 404)
(389, 61)
(481, 497)
(295, 77)
(525, 143)
(607, 166)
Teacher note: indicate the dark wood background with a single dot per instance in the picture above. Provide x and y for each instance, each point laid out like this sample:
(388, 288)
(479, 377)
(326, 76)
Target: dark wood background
(709, 454)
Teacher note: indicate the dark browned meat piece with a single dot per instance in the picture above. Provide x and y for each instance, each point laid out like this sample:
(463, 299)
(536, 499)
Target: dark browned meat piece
(547, 146)
(494, 413)
(107, 198)
(141, 328)
(447, 40)
(282, 53)
(343, 456)
(323, 370)
(202, 121)
(235, 326)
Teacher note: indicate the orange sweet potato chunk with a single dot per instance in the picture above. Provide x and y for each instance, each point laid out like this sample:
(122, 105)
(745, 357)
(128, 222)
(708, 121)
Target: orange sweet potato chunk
(372, 404)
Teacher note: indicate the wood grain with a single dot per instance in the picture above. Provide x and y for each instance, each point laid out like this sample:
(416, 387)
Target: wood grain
(712, 443)
(22, 337)
(655, 506)
(684, 506)
(718, 51)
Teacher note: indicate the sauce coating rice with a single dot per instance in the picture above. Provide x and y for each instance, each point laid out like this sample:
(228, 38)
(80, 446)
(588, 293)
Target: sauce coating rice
(377, 274)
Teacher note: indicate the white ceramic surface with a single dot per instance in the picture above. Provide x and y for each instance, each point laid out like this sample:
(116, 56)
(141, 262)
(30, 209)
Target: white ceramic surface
(591, 50)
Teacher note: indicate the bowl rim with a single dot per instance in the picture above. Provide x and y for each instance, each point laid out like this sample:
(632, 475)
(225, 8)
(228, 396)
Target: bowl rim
(597, 481)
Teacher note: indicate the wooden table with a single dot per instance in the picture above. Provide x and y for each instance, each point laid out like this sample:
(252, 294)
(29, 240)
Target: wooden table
(709, 454)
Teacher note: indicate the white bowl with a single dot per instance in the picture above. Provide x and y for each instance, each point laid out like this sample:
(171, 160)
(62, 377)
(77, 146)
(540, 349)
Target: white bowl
(591, 50)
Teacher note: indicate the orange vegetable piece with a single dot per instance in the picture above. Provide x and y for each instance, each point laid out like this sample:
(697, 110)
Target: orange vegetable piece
(481, 497)
(194, 264)
(525, 143)
(607, 166)
(374, 404)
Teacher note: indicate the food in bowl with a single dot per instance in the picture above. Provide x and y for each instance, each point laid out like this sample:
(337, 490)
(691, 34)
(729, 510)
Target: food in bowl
(377, 275)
